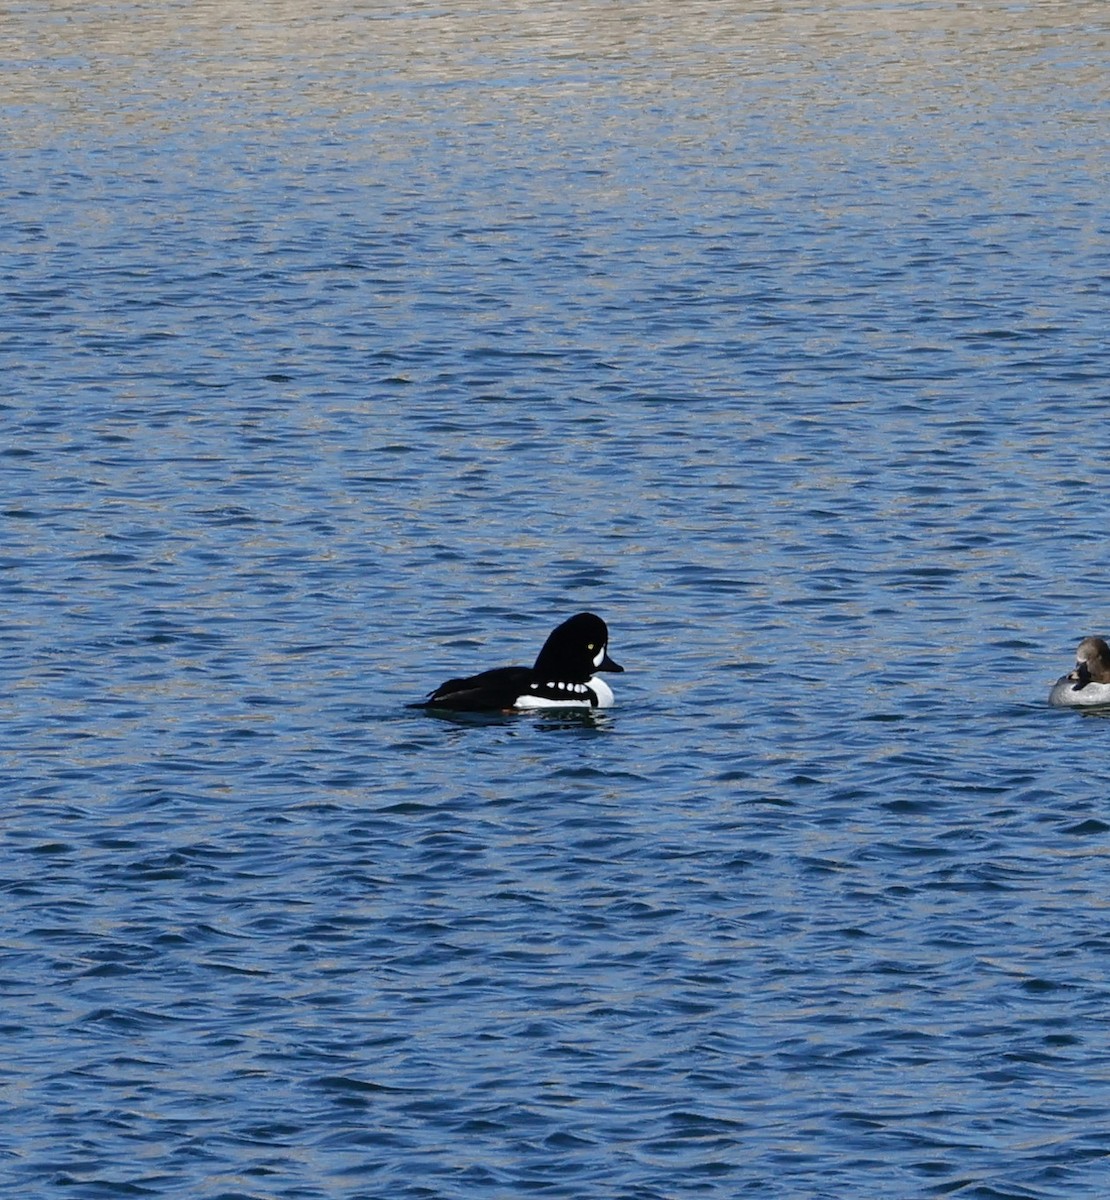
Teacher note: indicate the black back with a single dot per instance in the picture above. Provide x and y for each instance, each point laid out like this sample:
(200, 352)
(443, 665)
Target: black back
(483, 692)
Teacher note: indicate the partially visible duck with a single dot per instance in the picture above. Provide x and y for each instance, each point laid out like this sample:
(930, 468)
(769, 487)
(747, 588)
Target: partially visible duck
(1089, 683)
(562, 677)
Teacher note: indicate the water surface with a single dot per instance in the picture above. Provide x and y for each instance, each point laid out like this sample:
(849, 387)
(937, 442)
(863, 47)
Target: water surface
(347, 350)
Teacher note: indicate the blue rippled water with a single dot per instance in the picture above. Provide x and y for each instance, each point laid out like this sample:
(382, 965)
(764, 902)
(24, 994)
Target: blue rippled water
(346, 349)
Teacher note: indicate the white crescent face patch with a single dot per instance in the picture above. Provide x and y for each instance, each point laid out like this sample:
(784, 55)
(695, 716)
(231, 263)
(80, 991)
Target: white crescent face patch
(599, 657)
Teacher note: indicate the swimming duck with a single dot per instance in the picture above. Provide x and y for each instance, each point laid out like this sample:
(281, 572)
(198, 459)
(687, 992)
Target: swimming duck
(1089, 683)
(562, 676)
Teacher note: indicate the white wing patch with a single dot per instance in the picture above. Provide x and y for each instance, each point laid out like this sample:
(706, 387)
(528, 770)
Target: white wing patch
(580, 697)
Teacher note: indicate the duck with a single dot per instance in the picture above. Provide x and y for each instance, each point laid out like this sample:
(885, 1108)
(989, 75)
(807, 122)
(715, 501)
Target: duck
(563, 675)
(1089, 683)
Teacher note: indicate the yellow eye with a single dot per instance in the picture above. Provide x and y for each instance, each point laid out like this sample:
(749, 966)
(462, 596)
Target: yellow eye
(590, 646)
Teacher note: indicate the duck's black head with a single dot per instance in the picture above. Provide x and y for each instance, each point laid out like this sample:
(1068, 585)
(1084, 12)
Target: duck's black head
(576, 649)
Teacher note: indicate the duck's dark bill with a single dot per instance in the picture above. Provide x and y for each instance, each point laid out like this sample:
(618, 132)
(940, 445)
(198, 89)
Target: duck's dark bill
(1082, 677)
